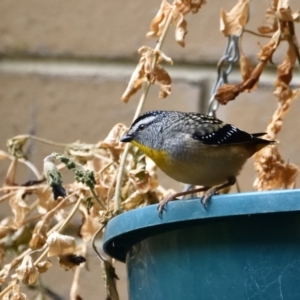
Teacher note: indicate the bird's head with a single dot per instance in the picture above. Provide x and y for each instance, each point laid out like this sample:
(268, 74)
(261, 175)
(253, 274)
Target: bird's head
(146, 130)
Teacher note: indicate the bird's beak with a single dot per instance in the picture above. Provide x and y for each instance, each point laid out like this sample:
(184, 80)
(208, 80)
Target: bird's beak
(126, 138)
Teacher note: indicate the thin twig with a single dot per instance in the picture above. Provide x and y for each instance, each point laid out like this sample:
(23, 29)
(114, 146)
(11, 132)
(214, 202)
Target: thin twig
(94, 239)
(74, 291)
(32, 167)
(39, 216)
(29, 164)
(4, 197)
(105, 167)
(45, 141)
(70, 216)
(110, 189)
(137, 113)
(98, 199)
(61, 145)
(17, 187)
(8, 288)
(257, 34)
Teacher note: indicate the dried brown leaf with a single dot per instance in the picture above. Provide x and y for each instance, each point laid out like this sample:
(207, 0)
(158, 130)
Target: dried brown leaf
(135, 82)
(133, 201)
(178, 9)
(270, 24)
(246, 70)
(159, 21)
(163, 80)
(181, 8)
(15, 294)
(143, 182)
(186, 6)
(4, 272)
(146, 71)
(284, 12)
(233, 22)
(286, 96)
(44, 195)
(267, 51)
(90, 224)
(285, 69)
(39, 234)
(27, 273)
(181, 31)
(296, 16)
(283, 92)
(18, 207)
(251, 82)
(148, 55)
(273, 173)
(139, 177)
(60, 244)
(112, 141)
(227, 92)
(106, 180)
(43, 266)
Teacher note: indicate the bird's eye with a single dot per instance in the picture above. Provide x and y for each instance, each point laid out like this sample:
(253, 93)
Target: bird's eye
(142, 127)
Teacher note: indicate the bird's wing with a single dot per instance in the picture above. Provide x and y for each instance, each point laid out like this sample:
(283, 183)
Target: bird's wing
(226, 134)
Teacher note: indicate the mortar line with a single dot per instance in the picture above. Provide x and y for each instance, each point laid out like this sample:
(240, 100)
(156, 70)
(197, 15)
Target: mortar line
(118, 71)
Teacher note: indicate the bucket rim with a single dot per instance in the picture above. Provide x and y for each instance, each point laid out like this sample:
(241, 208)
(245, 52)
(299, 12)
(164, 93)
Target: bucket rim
(131, 227)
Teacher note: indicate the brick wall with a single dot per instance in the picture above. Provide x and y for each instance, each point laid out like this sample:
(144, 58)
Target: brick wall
(64, 66)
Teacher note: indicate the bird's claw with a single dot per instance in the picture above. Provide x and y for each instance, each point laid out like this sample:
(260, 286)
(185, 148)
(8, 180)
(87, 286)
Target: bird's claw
(161, 207)
(163, 203)
(204, 202)
(207, 196)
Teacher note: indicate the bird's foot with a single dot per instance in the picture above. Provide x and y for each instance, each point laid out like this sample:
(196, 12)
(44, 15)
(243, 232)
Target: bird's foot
(162, 204)
(207, 196)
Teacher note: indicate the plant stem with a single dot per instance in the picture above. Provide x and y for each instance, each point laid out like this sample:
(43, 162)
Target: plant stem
(8, 288)
(32, 167)
(94, 241)
(137, 113)
(62, 145)
(257, 34)
(45, 141)
(109, 192)
(70, 216)
(4, 197)
(100, 202)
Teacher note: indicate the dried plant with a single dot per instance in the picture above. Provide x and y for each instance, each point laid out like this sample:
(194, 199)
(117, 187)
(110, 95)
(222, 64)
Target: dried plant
(109, 177)
(273, 172)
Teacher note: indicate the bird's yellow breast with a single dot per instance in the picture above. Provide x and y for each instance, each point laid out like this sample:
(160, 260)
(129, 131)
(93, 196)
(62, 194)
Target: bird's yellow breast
(160, 157)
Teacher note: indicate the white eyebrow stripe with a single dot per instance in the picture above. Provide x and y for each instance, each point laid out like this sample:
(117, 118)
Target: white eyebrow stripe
(145, 120)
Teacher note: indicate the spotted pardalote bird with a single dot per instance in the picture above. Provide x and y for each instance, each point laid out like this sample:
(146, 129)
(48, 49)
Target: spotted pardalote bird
(194, 148)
